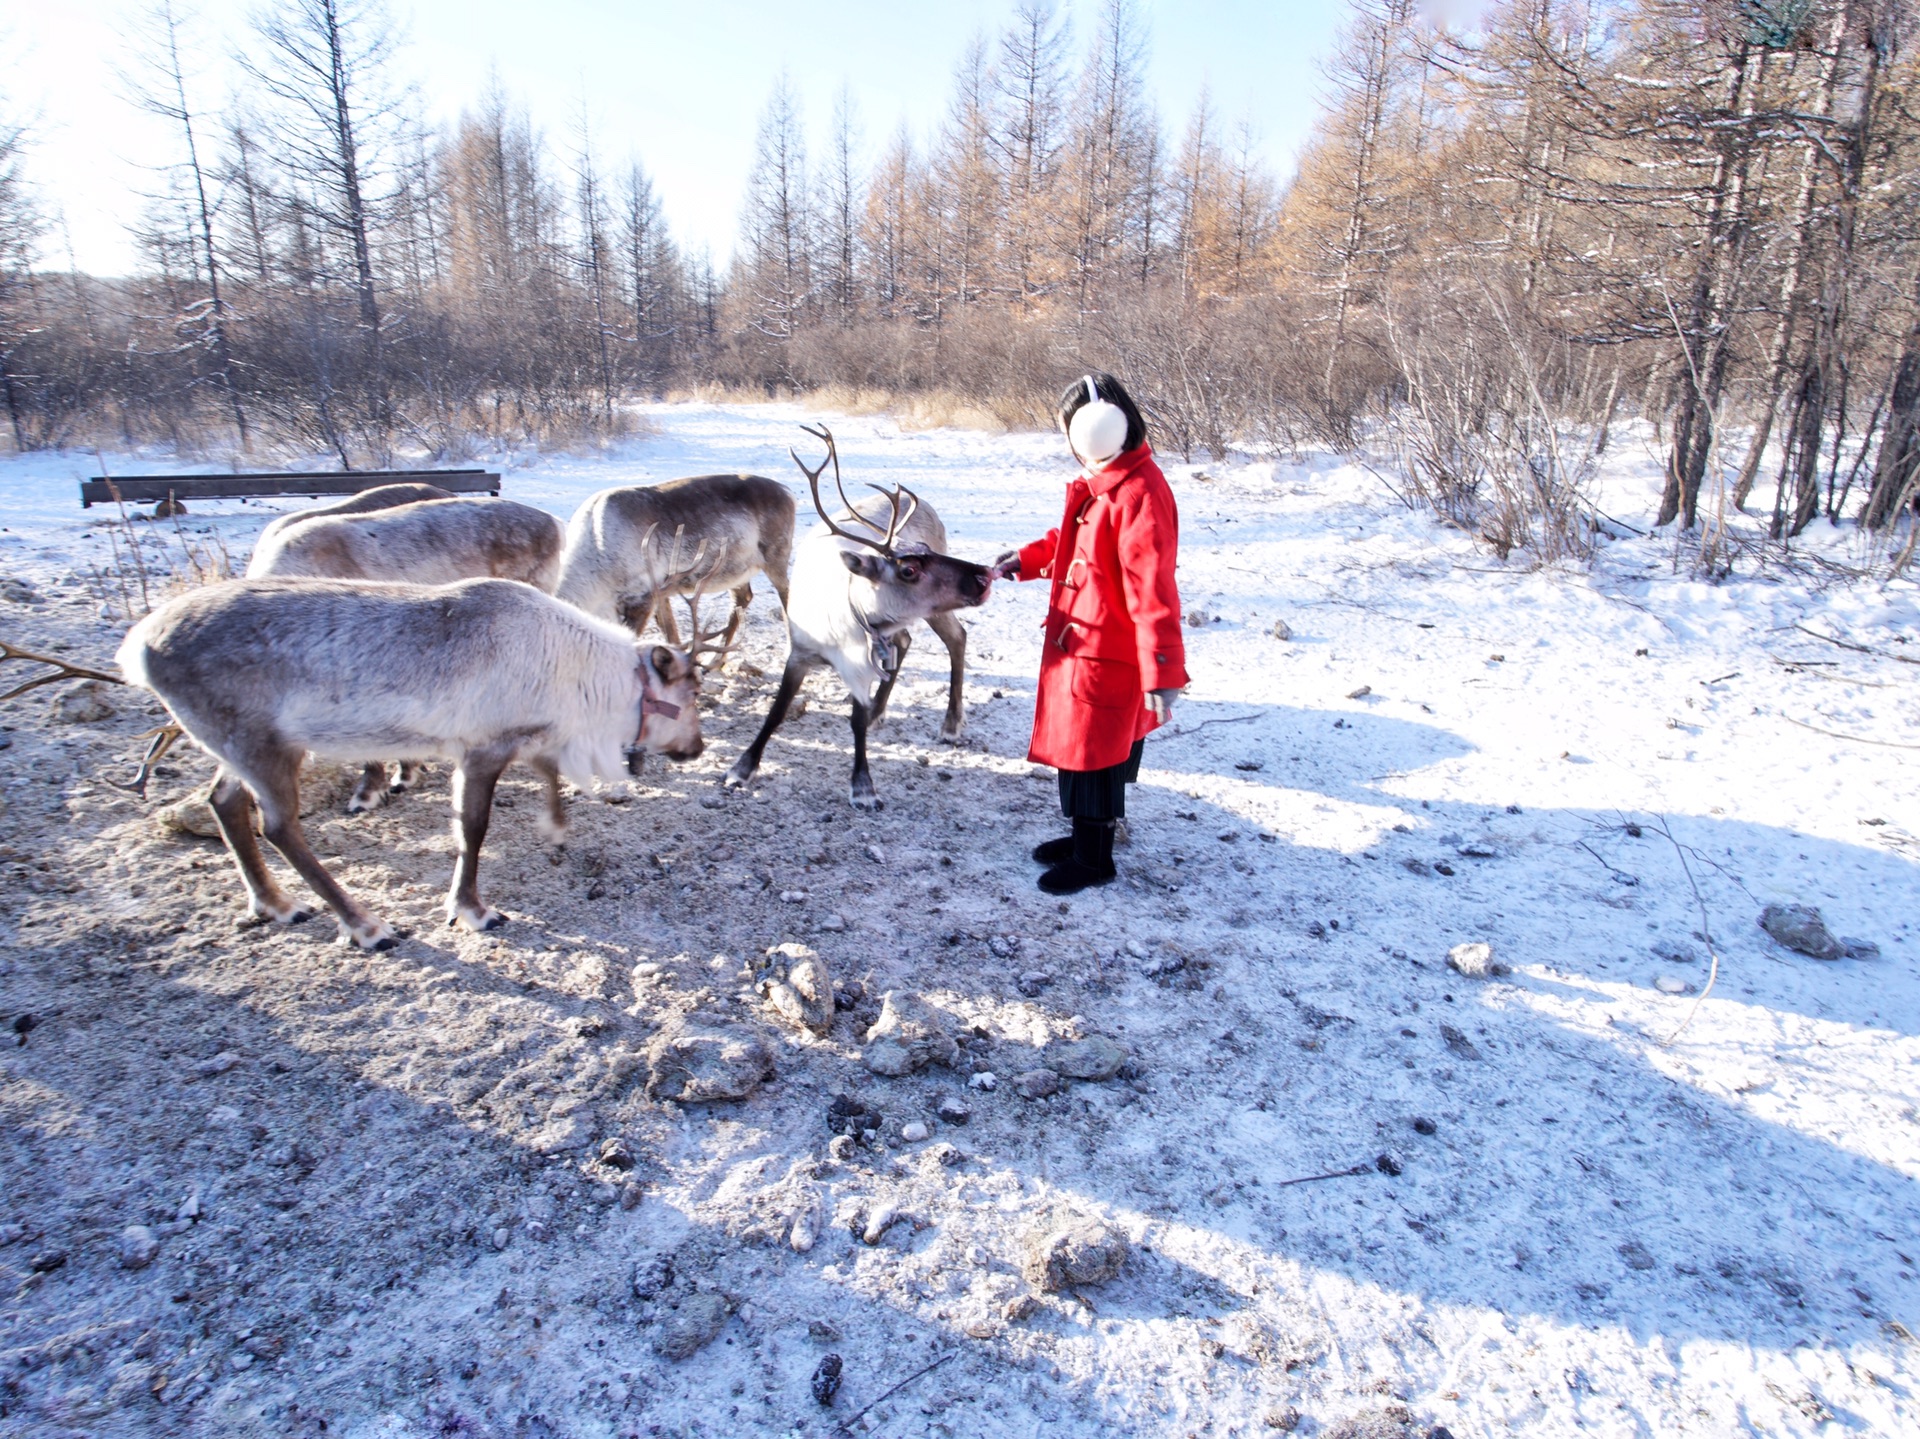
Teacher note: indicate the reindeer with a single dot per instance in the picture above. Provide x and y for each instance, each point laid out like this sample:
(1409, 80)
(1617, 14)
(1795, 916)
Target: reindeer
(428, 542)
(737, 524)
(422, 541)
(262, 672)
(854, 599)
(380, 497)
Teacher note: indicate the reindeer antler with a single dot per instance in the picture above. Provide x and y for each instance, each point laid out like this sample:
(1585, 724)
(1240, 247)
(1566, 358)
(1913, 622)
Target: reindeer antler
(61, 671)
(700, 643)
(163, 740)
(903, 501)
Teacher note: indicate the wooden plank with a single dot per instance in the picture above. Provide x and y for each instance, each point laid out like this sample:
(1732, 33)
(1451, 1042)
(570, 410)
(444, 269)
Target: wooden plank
(148, 489)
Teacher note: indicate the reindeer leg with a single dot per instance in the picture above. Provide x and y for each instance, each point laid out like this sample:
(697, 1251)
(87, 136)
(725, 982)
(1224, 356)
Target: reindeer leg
(406, 775)
(552, 824)
(860, 793)
(902, 642)
(954, 635)
(371, 792)
(749, 761)
(233, 811)
(473, 785)
(275, 781)
(742, 597)
(636, 615)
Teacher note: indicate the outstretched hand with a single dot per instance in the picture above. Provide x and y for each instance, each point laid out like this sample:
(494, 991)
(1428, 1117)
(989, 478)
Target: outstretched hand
(1161, 703)
(1007, 567)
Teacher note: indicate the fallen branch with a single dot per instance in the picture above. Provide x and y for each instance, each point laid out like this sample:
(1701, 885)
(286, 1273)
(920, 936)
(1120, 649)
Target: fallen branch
(1856, 738)
(1858, 649)
(1189, 729)
(1316, 1178)
(845, 1426)
(1706, 932)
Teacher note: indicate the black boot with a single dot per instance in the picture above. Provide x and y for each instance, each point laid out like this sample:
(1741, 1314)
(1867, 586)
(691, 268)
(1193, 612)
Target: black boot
(1052, 851)
(1090, 863)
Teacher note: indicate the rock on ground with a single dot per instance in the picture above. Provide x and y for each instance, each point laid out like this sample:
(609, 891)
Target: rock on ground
(1094, 1058)
(1072, 1253)
(705, 1065)
(1475, 961)
(909, 1035)
(800, 990)
(1800, 928)
(687, 1330)
(84, 703)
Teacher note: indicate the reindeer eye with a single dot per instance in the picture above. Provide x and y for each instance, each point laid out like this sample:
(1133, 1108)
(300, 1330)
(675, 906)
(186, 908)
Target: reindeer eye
(910, 573)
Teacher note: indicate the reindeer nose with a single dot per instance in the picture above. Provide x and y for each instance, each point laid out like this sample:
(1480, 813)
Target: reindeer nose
(975, 585)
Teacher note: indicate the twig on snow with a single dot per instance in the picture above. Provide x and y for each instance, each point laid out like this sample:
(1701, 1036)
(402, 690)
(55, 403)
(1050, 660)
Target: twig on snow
(1706, 932)
(1858, 649)
(1316, 1178)
(1189, 729)
(845, 1426)
(1856, 738)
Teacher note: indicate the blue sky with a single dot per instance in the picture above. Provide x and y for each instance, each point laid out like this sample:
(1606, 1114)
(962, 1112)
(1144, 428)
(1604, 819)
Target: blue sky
(680, 86)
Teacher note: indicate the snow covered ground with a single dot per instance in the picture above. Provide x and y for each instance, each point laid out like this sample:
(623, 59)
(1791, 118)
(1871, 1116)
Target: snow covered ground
(1624, 1209)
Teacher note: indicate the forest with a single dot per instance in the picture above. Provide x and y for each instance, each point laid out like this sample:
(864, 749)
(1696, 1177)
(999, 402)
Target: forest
(1505, 240)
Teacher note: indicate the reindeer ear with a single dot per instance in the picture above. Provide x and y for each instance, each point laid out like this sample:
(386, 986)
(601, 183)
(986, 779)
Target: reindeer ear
(670, 665)
(863, 563)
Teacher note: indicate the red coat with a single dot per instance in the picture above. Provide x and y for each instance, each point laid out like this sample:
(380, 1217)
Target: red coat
(1113, 619)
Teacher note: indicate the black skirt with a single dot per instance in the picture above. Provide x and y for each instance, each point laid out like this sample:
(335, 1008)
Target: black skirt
(1100, 793)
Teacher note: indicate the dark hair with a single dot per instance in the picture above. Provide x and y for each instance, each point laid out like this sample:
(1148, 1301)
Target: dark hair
(1111, 390)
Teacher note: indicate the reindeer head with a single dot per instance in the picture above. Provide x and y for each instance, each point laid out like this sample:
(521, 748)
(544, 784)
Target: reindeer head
(669, 708)
(912, 580)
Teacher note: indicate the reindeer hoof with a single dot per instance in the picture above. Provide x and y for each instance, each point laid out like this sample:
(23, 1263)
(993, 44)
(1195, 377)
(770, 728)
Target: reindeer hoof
(367, 802)
(376, 936)
(952, 736)
(867, 801)
(299, 916)
(477, 920)
(736, 778)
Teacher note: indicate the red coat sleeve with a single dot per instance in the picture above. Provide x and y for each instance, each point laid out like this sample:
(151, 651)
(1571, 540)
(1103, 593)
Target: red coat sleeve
(1036, 559)
(1149, 542)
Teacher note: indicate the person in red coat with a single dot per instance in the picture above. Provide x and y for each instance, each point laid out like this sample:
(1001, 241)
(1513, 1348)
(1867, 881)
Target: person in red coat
(1114, 661)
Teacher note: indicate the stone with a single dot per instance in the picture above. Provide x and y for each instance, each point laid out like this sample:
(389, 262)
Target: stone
(1198, 619)
(913, 1131)
(879, 1222)
(888, 1058)
(1423, 1125)
(20, 592)
(1393, 1422)
(1475, 961)
(952, 1111)
(834, 923)
(1072, 1253)
(707, 1065)
(1281, 630)
(1360, 693)
(985, 1079)
(219, 1064)
(1860, 948)
(1675, 953)
(616, 1153)
(191, 816)
(1033, 982)
(138, 1247)
(1021, 1306)
(1672, 984)
(916, 1028)
(1458, 1042)
(1037, 1083)
(840, 1147)
(1004, 946)
(1094, 1058)
(1286, 1419)
(800, 991)
(1801, 929)
(826, 1379)
(631, 1195)
(84, 703)
(652, 1277)
(685, 1331)
(809, 1219)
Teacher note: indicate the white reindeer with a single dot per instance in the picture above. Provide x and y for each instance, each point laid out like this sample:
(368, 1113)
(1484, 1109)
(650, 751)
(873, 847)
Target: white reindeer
(852, 604)
(262, 672)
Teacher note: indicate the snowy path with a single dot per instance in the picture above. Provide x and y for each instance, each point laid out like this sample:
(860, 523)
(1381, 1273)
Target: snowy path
(1604, 1232)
